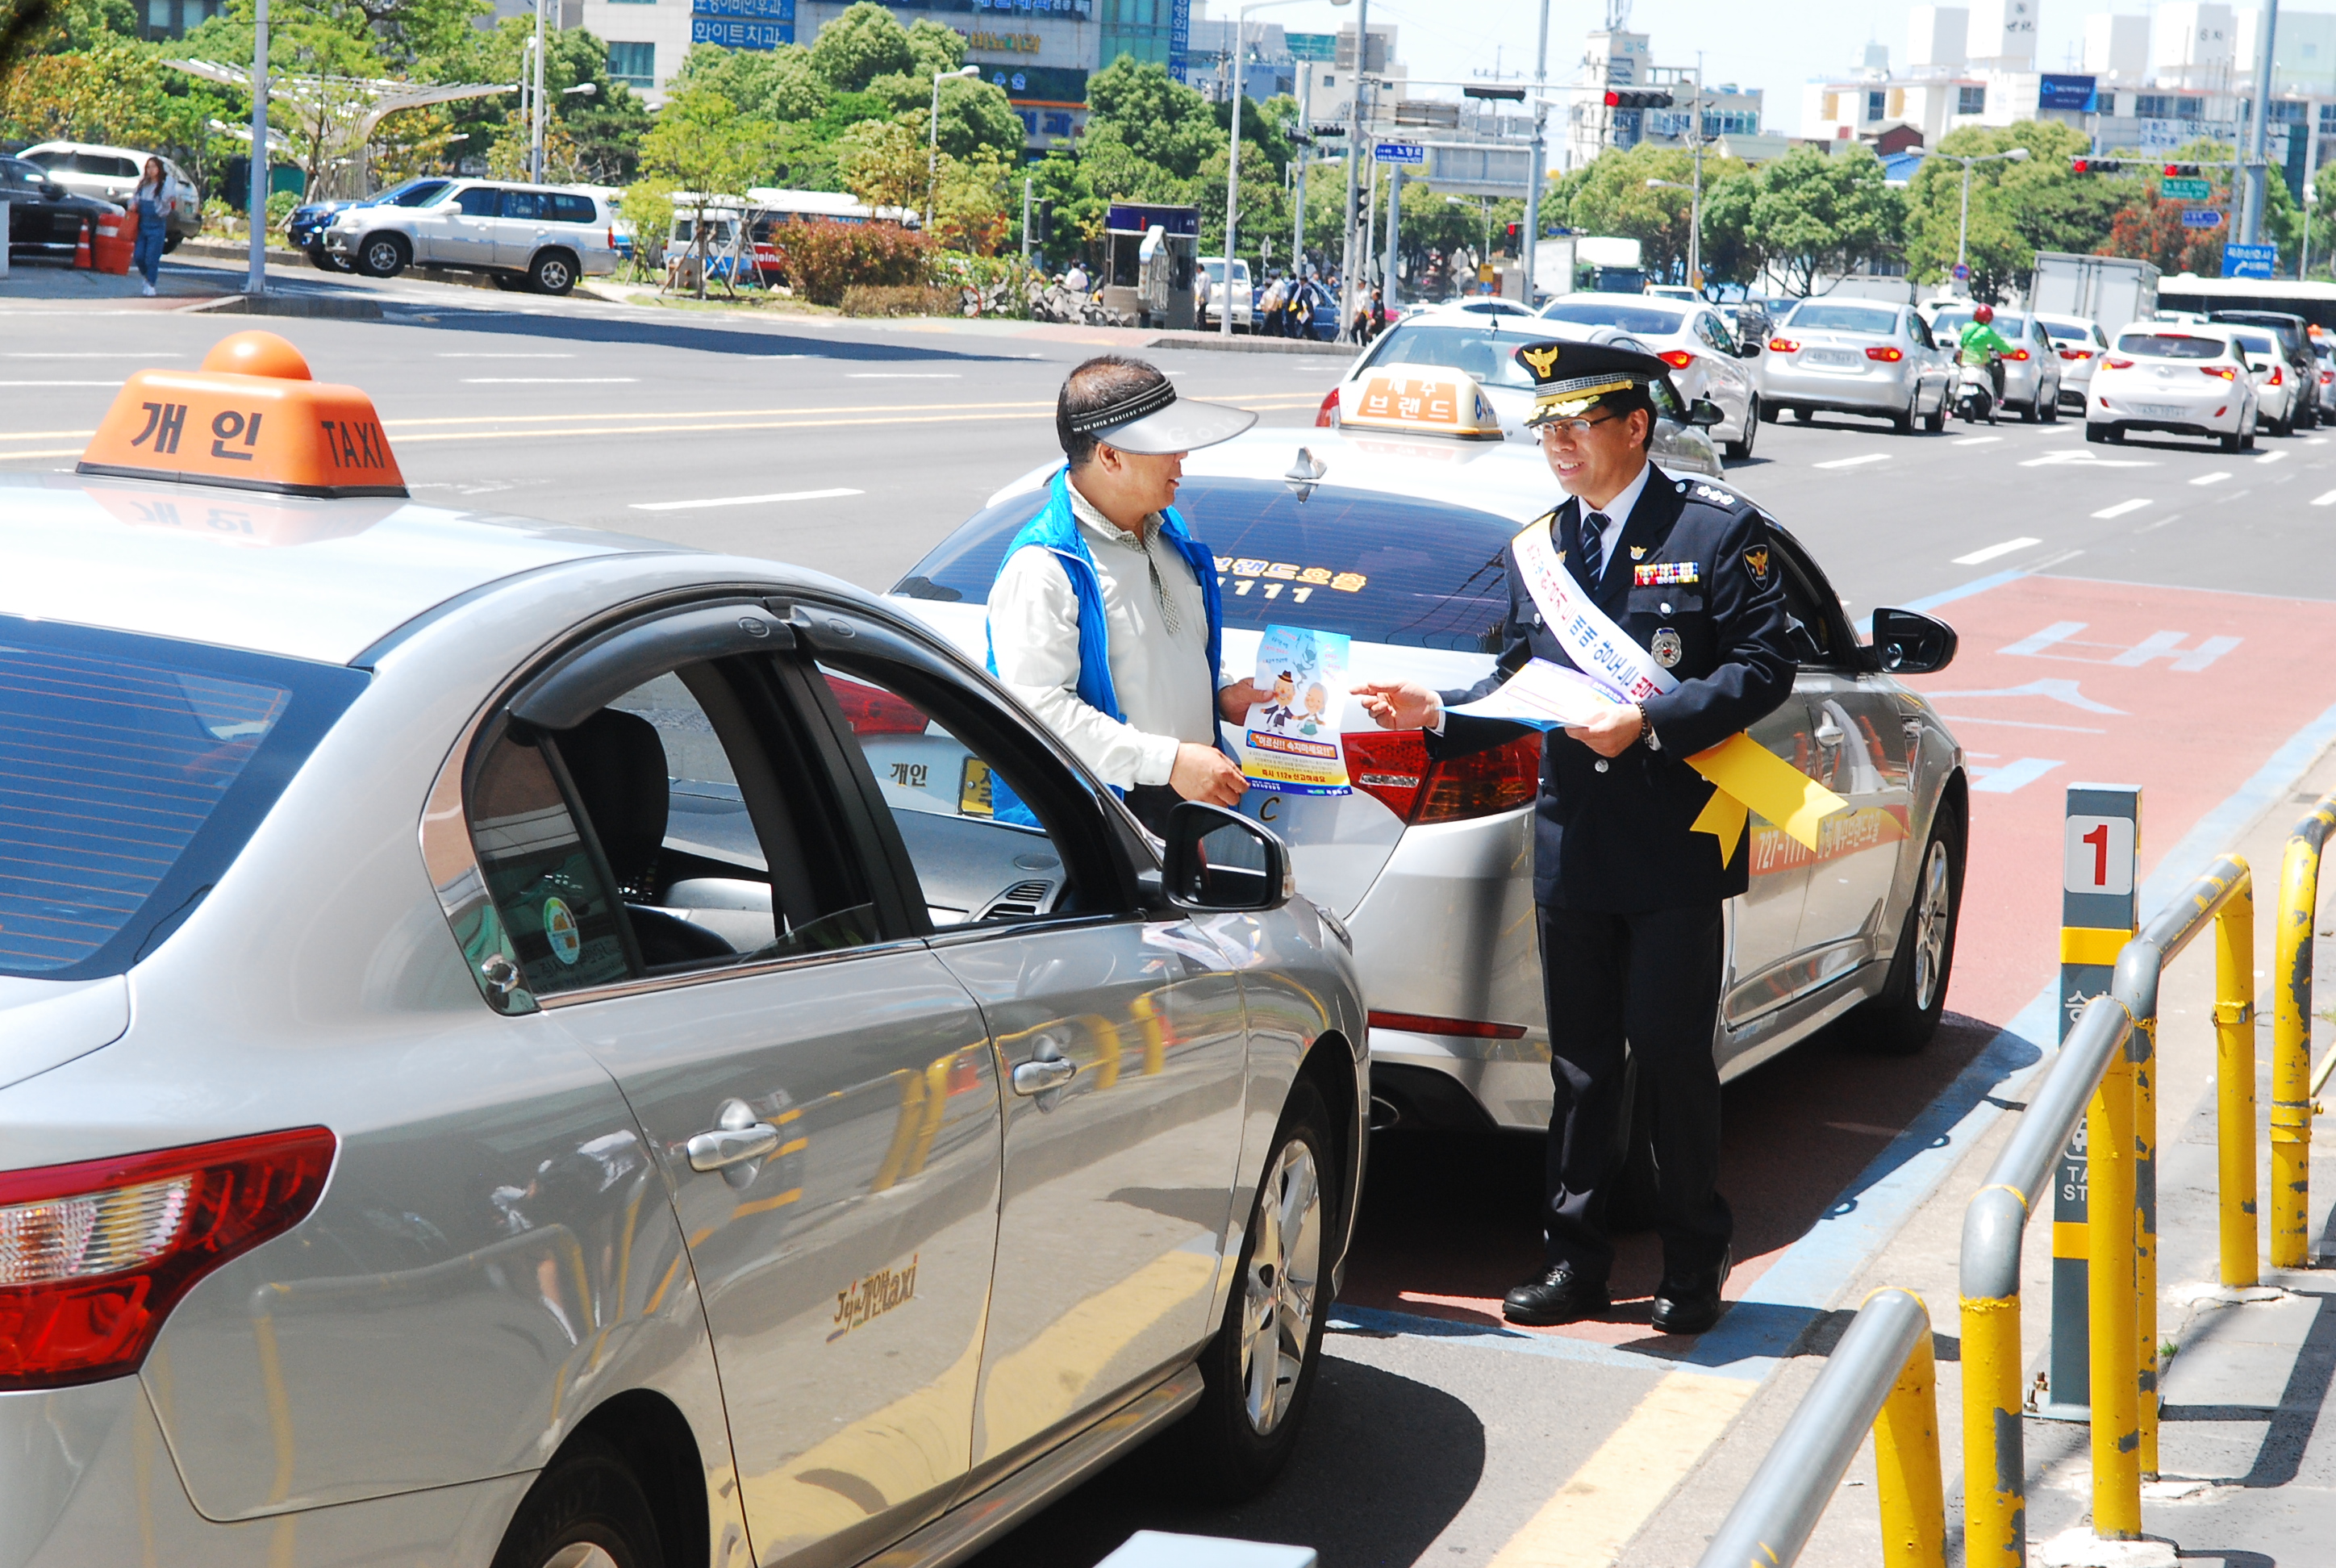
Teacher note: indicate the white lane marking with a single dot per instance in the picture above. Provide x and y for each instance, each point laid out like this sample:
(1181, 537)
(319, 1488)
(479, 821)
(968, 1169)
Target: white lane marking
(741, 500)
(1992, 550)
(2327, 500)
(2011, 776)
(2268, 457)
(108, 355)
(16, 384)
(2216, 478)
(1975, 441)
(908, 376)
(2121, 508)
(1855, 462)
(2317, 441)
(2080, 458)
(2049, 562)
(506, 357)
(548, 380)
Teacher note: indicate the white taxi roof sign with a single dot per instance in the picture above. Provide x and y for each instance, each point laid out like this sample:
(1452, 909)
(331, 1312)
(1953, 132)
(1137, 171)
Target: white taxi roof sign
(1421, 399)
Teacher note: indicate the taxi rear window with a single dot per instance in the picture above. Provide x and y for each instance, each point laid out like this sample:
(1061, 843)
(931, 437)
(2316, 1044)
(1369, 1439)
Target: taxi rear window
(132, 771)
(1375, 568)
(1481, 351)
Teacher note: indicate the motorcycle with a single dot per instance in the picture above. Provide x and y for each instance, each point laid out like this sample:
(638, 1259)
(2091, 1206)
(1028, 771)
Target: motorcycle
(1975, 395)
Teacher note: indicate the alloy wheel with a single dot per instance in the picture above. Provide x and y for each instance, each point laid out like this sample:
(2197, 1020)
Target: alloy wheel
(581, 1554)
(1933, 914)
(1281, 1286)
(553, 277)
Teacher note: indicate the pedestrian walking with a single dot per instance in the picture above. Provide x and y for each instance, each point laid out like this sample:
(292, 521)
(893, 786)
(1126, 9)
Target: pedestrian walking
(1104, 618)
(147, 201)
(1268, 308)
(1075, 280)
(1674, 582)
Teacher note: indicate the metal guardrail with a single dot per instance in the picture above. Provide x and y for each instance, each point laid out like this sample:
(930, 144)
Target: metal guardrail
(2295, 1087)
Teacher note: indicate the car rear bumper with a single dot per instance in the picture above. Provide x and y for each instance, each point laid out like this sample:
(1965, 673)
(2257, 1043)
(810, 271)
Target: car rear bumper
(1880, 390)
(2181, 416)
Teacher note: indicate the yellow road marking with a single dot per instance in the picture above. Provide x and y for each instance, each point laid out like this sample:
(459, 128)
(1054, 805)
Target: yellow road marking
(1588, 1521)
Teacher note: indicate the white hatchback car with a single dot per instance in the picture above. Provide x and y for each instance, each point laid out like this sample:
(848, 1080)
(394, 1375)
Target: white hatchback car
(2079, 343)
(1695, 340)
(2279, 392)
(2182, 378)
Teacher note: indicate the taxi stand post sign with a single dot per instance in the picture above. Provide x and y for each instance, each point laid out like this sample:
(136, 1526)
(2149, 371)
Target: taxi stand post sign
(2099, 912)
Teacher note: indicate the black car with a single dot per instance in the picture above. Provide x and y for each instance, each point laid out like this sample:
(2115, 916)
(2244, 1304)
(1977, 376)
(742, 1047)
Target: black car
(45, 219)
(309, 220)
(2294, 335)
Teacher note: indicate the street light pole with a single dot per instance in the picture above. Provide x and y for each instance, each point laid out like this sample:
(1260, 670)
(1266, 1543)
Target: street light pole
(2258, 174)
(1538, 162)
(536, 118)
(257, 282)
(1348, 259)
(933, 137)
(1232, 157)
(1962, 230)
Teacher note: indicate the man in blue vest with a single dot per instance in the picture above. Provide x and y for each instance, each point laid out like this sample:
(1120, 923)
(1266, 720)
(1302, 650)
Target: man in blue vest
(1105, 617)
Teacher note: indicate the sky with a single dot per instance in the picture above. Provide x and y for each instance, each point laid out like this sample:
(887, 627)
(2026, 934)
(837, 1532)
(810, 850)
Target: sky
(1777, 47)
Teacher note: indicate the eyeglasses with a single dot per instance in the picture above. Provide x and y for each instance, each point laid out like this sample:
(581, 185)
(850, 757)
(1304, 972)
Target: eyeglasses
(1574, 429)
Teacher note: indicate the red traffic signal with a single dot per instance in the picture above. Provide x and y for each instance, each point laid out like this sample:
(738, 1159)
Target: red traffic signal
(2097, 166)
(1618, 99)
(2181, 171)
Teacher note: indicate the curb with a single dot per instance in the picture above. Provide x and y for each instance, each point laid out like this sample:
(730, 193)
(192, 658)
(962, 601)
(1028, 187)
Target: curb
(226, 250)
(308, 305)
(1251, 345)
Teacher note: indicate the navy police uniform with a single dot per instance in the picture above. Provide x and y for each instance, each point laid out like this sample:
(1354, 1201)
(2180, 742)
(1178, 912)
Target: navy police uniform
(1628, 896)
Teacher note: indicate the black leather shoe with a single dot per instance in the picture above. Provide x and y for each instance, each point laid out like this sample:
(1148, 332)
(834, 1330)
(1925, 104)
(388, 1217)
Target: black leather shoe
(1690, 1303)
(1560, 1296)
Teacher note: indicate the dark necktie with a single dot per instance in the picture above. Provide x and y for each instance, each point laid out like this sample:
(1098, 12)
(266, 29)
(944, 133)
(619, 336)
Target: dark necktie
(1589, 548)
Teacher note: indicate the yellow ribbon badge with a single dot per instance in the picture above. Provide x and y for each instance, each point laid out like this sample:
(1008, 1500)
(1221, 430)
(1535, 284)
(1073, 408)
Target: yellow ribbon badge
(1746, 777)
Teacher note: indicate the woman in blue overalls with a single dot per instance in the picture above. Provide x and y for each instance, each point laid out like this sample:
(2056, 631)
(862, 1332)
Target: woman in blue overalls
(147, 201)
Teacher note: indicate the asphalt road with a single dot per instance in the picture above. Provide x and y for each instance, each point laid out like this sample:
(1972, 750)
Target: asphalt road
(2195, 584)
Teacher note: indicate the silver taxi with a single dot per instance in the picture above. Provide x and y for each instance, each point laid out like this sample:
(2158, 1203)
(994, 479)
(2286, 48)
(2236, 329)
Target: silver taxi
(498, 1064)
(1395, 542)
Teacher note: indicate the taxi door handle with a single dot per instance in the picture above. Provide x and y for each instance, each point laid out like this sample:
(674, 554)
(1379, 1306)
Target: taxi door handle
(727, 1146)
(1828, 733)
(1036, 1077)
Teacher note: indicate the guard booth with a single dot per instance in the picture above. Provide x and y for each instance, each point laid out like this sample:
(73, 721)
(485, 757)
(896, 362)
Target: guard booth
(1149, 263)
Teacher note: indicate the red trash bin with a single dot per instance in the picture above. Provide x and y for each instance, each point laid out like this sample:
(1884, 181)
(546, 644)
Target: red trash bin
(115, 242)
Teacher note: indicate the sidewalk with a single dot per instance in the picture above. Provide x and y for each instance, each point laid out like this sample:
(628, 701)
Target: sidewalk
(2246, 1475)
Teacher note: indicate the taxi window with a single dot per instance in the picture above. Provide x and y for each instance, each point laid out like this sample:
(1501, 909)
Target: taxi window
(1480, 351)
(1644, 320)
(559, 912)
(132, 770)
(1376, 568)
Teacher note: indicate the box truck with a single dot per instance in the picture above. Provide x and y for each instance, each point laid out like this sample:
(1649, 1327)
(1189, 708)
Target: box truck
(2111, 290)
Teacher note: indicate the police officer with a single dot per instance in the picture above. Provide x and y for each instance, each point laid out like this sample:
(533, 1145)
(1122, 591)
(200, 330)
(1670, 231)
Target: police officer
(1629, 889)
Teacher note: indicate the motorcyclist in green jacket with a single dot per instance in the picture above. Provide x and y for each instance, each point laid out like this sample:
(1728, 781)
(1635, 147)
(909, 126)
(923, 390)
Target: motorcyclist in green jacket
(1982, 344)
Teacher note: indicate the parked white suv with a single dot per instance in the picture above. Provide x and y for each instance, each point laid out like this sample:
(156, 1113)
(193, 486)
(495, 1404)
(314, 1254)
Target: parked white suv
(111, 174)
(546, 235)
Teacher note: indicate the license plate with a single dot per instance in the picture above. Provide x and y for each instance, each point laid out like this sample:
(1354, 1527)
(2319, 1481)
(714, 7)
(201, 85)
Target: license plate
(2160, 409)
(1832, 356)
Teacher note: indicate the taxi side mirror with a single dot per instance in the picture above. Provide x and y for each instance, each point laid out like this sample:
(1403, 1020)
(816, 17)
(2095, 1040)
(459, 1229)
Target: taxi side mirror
(1704, 413)
(1749, 348)
(1906, 643)
(1221, 862)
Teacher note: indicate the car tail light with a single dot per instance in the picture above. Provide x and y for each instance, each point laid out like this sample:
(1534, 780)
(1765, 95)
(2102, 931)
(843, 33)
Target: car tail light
(2117, 364)
(2020, 354)
(1327, 415)
(1783, 345)
(1394, 768)
(1884, 353)
(1677, 358)
(2076, 354)
(2326, 376)
(2278, 377)
(94, 1255)
(2224, 372)
(1426, 1024)
(871, 711)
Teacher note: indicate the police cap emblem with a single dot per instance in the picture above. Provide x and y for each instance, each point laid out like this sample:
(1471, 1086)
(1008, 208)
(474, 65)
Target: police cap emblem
(1667, 647)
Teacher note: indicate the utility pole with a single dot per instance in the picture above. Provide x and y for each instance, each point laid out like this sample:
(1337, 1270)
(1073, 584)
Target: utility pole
(1694, 199)
(1026, 220)
(1393, 234)
(536, 120)
(1351, 257)
(2259, 131)
(1305, 145)
(257, 282)
(1531, 241)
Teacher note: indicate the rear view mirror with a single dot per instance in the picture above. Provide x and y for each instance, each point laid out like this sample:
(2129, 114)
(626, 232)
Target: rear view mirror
(1704, 413)
(1218, 860)
(1906, 643)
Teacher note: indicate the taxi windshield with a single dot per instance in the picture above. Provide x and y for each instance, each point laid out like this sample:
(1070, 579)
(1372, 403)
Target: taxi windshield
(132, 769)
(1376, 568)
(1481, 351)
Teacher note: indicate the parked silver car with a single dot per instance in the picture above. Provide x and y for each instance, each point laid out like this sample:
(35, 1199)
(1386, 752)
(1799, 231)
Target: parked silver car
(2031, 370)
(1862, 356)
(547, 237)
(515, 1047)
(1397, 544)
(1705, 357)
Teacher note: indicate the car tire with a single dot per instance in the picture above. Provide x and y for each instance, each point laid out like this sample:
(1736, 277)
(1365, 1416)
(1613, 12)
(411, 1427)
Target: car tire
(384, 255)
(1245, 1426)
(585, 1512)
(2232, 442)
(2283, 427)
(1901, 1020)
(1741, 448)
(172, 242)
(2049, 409)
(1903, 423)
(2248, 442)
(2099, 434)
(1936, 419)
(1768, 415)
(552, 272)
(2028, 414)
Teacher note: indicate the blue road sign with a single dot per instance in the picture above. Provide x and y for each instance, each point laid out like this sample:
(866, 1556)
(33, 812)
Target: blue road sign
(2202, 217)
(1399, 152)
(1962, 273)
(2249, 260)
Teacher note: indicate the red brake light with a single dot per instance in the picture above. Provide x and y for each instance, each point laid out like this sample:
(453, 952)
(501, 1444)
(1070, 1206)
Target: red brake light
(1884, 353)
(2278, 377)
(2226, 372)
(1677, 358)
(94, 1255)
(1783, 346)
(2017, 354)
(2114, 364)
(1425, 1024)
(871, 711)
(1327, 415)
(2076, 354)
(1393, 767)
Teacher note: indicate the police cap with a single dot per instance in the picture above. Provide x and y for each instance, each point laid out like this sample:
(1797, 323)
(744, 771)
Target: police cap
(1570, 377)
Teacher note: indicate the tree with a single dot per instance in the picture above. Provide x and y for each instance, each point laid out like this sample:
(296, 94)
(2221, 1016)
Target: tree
(1615, 198)
(865, 43)
(1157, 119)
(882, 163)
(2017, 208)
(1807, 214)
(779, 85)
(703, 144)
(1264, 208)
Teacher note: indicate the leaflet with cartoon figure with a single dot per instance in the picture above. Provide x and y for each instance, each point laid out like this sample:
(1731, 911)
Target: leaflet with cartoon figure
(1544, 695)
(1289, 742)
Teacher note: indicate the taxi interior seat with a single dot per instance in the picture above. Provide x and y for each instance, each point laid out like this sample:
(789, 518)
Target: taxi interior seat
(618, 767)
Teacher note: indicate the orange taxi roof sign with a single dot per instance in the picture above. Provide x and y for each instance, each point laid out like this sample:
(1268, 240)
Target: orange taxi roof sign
(1419, 400)
(251, 418)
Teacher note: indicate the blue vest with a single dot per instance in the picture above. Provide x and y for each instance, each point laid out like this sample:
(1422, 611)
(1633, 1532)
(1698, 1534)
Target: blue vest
(1056, 529)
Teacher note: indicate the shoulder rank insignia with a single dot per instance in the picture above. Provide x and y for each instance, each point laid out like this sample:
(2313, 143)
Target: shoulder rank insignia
(1756, 561)
(1661, 573)
(1715, 494)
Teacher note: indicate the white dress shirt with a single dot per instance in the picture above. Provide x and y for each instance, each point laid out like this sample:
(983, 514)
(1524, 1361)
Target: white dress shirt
(1161, 676)
(1617, 512)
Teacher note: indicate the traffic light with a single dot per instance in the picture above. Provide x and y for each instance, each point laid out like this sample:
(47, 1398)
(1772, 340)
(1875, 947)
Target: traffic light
(2098, 166)
(1623, 99)
(1513, 240)
(1512, 94)
(2181, 171)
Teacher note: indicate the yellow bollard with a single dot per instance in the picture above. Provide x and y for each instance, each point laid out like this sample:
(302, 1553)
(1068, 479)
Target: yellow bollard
(1906, 1464)
(2235, 1080)
(2111, 1224)
(1995, 1495)
(2291, 1044)
(2145, 1246)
